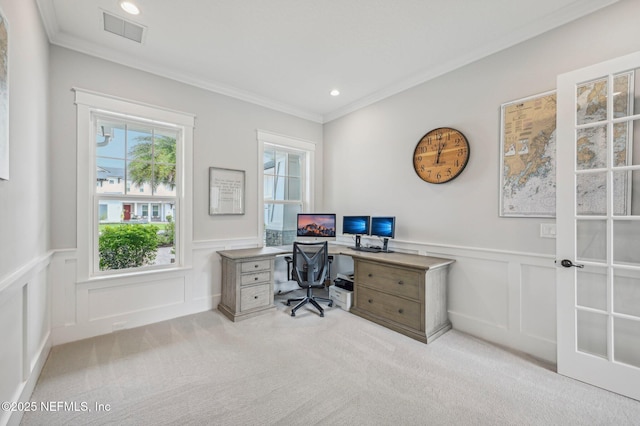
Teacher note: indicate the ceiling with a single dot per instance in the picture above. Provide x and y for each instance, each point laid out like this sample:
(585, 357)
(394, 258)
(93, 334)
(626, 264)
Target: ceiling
(289, 54)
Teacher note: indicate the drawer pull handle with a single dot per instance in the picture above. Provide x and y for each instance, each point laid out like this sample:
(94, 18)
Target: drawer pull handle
(370, 300)
(400, 282)
(255, 266)
(400, 311)
(370, 275)
(255, 279)
(255, 297)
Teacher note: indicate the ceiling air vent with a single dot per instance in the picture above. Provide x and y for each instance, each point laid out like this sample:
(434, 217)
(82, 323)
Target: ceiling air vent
(123, 28)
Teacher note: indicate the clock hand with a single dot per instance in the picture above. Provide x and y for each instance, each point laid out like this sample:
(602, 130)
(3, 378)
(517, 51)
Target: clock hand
(440, 147)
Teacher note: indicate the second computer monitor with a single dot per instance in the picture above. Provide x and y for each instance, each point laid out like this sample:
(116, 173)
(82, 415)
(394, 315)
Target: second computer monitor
(383, 226)
(355, 225)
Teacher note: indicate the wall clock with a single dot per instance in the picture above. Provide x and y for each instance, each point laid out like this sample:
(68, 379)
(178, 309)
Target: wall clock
(441, 155)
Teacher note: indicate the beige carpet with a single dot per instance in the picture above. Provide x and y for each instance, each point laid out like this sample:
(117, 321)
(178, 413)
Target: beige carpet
(338, 370)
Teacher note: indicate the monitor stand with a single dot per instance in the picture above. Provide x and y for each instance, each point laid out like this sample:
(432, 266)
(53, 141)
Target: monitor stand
(385, 246)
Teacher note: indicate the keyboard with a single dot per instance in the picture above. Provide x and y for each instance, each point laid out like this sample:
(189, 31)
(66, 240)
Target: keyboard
(368, 249)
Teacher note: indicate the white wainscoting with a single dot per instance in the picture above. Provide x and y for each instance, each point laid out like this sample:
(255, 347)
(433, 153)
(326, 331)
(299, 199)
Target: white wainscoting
(25, 325)
(503, 297)
(101, 306)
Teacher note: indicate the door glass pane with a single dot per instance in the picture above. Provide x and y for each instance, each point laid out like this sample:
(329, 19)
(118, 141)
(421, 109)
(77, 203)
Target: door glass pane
(591, 101)
(626, 143)
(626, 341)
(626, 292)
(626, 242)
(591, 240)
(591, 194)
(591, 148)
(626, 183)
(623, 99)
(592, 333)
(591, 288)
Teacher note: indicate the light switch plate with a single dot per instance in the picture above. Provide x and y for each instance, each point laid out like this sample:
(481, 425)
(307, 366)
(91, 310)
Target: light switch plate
(548, 230)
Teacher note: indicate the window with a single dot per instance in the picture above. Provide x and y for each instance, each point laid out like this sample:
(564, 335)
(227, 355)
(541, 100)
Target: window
(286, 185)
(143, 156)
(134, 197)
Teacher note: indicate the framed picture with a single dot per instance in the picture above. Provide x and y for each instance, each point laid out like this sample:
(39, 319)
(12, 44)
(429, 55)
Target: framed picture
(226, 191)
(528, 157)
(4, 98)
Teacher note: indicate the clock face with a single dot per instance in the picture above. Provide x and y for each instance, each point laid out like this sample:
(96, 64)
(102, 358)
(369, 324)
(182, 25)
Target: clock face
(441, 155)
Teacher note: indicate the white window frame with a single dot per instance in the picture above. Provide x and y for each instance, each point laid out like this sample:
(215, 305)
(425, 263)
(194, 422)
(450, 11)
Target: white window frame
(286, 143)
(89, 104)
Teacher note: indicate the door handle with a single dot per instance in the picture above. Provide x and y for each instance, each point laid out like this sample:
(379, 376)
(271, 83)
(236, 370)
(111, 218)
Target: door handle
(568, 264)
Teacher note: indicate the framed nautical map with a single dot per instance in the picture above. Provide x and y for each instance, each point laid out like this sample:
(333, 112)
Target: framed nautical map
(528, 157)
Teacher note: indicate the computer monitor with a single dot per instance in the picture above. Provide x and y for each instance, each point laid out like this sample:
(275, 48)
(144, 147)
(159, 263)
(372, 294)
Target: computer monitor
(316, 227)
(384, 227)
(356, 225)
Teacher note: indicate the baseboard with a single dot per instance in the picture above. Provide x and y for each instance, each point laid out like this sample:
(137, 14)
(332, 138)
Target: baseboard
(79, 331)
(26, 388)
(539, 348)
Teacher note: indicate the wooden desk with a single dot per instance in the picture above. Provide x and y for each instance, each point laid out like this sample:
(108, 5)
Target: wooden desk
(404, 292)
(247, 282)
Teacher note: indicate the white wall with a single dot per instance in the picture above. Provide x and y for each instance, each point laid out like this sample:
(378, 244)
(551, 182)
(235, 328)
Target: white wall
(225, 135)
(502, 284)
(494, 295)
(24, 210)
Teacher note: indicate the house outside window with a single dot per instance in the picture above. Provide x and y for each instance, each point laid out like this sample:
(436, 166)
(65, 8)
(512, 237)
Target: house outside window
(136, 162)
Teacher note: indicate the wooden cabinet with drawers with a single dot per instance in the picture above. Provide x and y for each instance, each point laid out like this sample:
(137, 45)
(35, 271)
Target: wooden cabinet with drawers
(403, 292)
(247, 282)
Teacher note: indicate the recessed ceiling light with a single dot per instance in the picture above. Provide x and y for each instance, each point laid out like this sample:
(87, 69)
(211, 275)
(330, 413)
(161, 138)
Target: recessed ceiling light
(129, 7)
(335, 92)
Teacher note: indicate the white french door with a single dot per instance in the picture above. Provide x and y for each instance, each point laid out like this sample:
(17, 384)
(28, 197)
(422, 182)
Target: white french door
(598, 221)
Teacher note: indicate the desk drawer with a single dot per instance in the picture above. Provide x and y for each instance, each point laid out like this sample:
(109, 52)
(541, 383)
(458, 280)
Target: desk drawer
(390, 279)
(390, 307)
(256, 265)
(258, 277)
(254, 297)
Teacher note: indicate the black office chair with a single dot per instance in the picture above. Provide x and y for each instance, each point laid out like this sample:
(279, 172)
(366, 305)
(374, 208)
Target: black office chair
(310, 265)
(291, 272)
